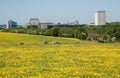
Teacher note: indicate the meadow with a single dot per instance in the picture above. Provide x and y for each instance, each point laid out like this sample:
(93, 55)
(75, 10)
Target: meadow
(27, 56)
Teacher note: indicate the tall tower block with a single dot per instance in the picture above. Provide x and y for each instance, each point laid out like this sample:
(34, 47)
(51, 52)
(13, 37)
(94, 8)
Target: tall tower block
(100, 18)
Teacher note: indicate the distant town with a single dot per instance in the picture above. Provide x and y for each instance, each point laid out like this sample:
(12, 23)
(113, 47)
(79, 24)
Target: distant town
(100, 19)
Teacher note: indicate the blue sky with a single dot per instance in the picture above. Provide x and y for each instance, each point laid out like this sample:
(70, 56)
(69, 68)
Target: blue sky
(57, 10)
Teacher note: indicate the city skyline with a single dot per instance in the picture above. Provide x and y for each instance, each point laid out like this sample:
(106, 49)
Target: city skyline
(57, 11)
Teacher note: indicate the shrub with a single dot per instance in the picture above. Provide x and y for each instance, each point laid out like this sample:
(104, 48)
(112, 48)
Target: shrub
(113, 39)
(100, 40)
(21, 43)
(103, 41)
(45, 42)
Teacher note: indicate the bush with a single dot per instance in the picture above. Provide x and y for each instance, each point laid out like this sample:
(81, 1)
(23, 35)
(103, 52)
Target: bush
(45, 42)
(104, 41)
(113, 39)
(100, 40)
(21, 43)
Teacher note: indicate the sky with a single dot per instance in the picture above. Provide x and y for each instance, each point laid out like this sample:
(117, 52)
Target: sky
(57, 10)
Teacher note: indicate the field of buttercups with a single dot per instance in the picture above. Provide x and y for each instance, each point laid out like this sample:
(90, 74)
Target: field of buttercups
(26, 56)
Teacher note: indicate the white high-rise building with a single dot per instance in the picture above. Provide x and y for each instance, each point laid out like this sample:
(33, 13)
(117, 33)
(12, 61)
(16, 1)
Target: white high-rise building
(100, 18)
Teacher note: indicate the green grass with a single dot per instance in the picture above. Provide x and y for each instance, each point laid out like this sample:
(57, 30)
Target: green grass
(25, 56)
(10, 38)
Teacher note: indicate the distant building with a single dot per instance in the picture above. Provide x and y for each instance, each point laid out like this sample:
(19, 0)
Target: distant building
(11, 24)
(49, 25)
(34, 21)
(3, 26)
(100, 18)
(45, 25)
(73, 23)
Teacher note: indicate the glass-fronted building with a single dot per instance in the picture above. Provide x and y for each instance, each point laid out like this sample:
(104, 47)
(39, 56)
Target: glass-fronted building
(12, 24)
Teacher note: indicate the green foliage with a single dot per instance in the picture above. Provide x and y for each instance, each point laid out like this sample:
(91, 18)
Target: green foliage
(65, 32)
(79, 32)
(52, 32)
(45, 42)
(113, 30)
(32, 27)
(21, 43)
(55, 31)
(67, 35)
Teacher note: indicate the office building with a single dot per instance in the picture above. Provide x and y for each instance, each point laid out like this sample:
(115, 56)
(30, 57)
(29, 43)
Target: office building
(45, 25)
(34, 21)
(12, 24)
(100, 18)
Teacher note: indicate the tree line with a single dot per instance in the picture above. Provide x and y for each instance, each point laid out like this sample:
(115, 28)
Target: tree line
(107, 33)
